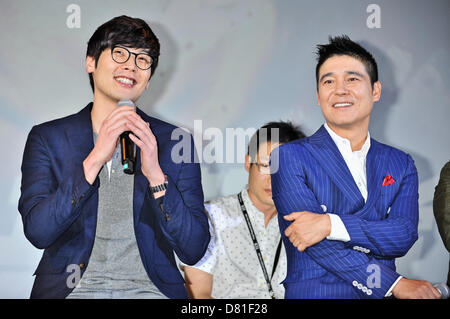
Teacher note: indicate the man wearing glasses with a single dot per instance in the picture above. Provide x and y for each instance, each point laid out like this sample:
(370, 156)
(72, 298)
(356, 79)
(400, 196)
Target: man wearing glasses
(107, 234)
(246, 258)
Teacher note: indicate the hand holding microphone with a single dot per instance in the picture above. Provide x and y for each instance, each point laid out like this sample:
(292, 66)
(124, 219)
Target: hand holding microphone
(109, 131)
(117, 128)
(140, 134)
(127, 147)
(142, 137)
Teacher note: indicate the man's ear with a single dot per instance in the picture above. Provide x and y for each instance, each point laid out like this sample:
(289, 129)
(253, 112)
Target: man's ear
(90, 64)
(376, 91)
(247, 163)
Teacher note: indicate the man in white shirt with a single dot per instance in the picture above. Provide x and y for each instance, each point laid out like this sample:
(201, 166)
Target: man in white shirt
(246, 258)
(370, 216)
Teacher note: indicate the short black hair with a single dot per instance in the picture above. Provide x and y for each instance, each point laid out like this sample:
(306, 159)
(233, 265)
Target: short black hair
(342, 45)
(127, 31)
(284, 132)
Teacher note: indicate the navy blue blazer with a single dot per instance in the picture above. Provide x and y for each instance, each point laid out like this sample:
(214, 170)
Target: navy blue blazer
(312, 175)
(59, 207)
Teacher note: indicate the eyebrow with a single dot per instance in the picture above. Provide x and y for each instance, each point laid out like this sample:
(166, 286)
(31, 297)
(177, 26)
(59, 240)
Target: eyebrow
(142, 50)
(325, 75)
(355, 73)
(347, 72)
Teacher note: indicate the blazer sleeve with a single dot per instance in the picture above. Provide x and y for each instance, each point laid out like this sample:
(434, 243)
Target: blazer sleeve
(392, 236)
(441, 205)
(183, 220)
(208, 262)
(48, 206)
(290, 194)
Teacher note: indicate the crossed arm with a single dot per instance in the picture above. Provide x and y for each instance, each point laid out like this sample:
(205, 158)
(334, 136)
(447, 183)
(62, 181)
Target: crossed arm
(388, 238)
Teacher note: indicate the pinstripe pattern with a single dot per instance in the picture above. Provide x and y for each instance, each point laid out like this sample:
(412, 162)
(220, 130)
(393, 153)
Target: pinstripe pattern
(311, 172)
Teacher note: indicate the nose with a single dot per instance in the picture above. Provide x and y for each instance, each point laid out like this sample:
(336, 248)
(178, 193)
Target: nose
(341, 88)
(130, 65)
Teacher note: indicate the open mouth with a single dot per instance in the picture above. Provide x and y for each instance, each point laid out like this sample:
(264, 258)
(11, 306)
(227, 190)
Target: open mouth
(125, 81)
(342, 104)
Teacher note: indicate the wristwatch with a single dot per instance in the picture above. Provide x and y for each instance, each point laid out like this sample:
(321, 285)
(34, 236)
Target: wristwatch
(161, 187)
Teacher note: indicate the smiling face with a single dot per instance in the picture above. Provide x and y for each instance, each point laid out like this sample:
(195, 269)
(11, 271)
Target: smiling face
(345, 93)
(117, 81)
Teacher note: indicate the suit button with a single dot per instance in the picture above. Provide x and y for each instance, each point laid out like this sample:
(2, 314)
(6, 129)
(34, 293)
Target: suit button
(73, 201)
(81, 265)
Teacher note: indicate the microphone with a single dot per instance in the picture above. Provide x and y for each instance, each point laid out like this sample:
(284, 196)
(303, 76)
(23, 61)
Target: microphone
(443, 290)
(127, 147)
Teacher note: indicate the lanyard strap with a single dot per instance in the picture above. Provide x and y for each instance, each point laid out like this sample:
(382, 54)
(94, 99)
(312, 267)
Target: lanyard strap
(258, 250)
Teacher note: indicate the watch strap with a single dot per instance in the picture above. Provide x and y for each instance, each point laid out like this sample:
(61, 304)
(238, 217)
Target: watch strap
(160, 187)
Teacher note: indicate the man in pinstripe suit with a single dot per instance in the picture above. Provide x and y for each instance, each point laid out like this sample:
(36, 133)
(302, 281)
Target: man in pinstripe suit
(348, 205)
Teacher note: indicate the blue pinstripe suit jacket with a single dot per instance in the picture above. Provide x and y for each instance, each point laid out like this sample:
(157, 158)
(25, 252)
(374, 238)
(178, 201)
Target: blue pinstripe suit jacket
(311, 172)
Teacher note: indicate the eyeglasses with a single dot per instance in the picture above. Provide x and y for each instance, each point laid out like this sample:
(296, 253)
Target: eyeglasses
(121, 55)
(263, 168)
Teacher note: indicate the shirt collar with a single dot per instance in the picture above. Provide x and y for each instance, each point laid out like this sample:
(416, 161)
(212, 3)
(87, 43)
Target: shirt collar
(344, 145)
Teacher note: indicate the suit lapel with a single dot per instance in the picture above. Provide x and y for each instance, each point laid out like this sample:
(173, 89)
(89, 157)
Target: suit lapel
(375, 170)
(141, 186)
(324, 149)
(79, 135)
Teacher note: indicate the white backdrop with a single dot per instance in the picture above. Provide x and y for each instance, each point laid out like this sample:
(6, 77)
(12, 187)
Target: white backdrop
(231, 64)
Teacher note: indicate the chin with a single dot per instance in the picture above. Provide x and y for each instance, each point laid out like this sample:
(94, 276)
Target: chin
(269, 201)
(126, 97)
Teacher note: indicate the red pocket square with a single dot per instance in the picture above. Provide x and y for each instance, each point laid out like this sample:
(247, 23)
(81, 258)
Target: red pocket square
(388, 180)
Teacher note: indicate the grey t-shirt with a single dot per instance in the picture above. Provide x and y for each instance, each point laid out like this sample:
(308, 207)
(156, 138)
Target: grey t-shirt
(115, 268)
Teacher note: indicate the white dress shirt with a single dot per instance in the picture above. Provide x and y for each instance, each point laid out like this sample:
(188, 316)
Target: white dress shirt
(356, 163)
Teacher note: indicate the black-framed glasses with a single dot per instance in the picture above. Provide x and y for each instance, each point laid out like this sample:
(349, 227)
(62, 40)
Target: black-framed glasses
(121, 55)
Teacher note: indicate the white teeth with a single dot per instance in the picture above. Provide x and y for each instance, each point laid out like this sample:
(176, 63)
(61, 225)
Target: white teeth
(342, 104)
(125, 81)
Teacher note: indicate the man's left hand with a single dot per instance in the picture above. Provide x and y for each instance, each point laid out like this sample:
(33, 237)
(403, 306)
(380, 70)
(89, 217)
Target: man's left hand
(307, 228)
(143, 137)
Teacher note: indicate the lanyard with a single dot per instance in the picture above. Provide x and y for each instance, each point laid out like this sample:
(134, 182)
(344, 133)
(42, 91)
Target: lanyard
(258, 250)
